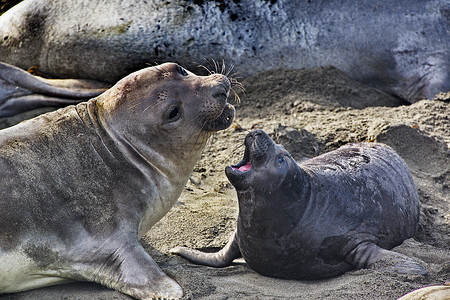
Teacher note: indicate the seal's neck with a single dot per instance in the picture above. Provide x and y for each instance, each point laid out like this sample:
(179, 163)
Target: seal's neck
(166, 177)
(279, 208)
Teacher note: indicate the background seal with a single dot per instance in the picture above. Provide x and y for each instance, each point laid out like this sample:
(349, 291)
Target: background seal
(399, 47)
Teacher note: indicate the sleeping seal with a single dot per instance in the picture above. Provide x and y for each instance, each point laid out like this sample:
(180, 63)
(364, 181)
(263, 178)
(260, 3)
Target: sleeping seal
(79, 186)
(330, 214)
(401, 47)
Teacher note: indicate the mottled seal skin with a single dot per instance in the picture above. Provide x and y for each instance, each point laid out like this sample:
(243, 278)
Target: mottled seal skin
(328, 215)
(81, 185)
(401, 47)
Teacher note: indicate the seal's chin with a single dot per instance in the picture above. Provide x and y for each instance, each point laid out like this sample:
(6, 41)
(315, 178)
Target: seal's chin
(223, 121)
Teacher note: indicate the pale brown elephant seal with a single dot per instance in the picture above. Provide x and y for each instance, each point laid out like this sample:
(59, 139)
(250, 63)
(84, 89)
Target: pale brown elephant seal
(81, 185)
(434, 292)
(333, 213)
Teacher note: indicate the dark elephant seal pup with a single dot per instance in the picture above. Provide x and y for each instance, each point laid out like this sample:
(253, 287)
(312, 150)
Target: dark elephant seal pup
(328, 215)
(81, 185)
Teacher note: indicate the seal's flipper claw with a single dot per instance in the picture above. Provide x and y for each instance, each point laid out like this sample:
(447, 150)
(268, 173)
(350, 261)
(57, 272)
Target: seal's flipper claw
(219, 259)
(389, 261)
(21, 91)
(131, 271)
(369, 255)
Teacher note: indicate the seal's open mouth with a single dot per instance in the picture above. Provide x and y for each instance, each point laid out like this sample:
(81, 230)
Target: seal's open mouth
(245, 164)
(257, 148)
(238, 174)
(243, 168)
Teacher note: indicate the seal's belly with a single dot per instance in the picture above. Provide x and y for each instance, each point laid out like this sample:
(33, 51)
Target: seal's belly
(19, 273)
(289, 257)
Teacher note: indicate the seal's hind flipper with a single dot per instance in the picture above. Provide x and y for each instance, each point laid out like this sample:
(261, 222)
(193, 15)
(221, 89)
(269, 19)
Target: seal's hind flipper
(369, 255)
(219, 259)
(128, 269)
(21, 91)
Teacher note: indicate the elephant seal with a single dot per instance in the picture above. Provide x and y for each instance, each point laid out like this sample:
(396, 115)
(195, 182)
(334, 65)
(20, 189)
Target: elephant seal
(79, 186)
(401, 47)
(330, 214)
(434, 292)
(20, 91)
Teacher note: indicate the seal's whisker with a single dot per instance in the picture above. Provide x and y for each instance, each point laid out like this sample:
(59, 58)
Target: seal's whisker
(202, 66)
(216, 66)
(195, 125)
(154, 64)
(229, 71)
(237, 147)
(205, 138)
(210, 64)
(142, 100)
(234, 81)
(192, 134)
(159, 69)
(212, 136)
(223, 67)
(152, 106)
(234, 75)
(237, 84)
(201, 132)
(196, 141)
(236, 96)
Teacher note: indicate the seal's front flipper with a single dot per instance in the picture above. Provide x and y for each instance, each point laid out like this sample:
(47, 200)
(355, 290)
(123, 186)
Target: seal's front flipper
(21, 91)
(130, 270)
(219, 259)
(369, 255)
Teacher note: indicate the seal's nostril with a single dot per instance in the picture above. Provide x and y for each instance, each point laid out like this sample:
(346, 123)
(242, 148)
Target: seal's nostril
(257, 132)
(221, 94)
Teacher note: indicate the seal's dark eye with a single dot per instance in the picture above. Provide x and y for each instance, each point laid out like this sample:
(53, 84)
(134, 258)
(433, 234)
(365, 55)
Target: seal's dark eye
(280, 159)
(181, 70)
(174, 113)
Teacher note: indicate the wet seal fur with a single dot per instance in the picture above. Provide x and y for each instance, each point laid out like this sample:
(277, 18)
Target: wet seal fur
(320, 218)
(401, 47)
(81, 185)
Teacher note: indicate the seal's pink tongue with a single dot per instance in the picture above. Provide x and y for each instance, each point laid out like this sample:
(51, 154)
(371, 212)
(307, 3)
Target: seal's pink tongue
(245, 167)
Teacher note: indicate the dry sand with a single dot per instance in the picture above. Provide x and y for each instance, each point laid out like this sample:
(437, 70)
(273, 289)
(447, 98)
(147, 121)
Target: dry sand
(310, 112)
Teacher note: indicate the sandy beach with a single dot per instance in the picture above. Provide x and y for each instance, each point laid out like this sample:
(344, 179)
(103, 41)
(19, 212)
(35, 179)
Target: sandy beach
(310, 112)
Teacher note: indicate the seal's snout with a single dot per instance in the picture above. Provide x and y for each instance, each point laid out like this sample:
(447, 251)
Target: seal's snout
(222, 88)
(257, 143)
(258, 147)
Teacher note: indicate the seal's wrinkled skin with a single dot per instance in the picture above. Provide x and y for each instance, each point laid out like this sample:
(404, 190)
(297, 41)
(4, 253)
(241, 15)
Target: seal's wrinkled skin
(401, 47)
(330, 214)
(81, 185)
